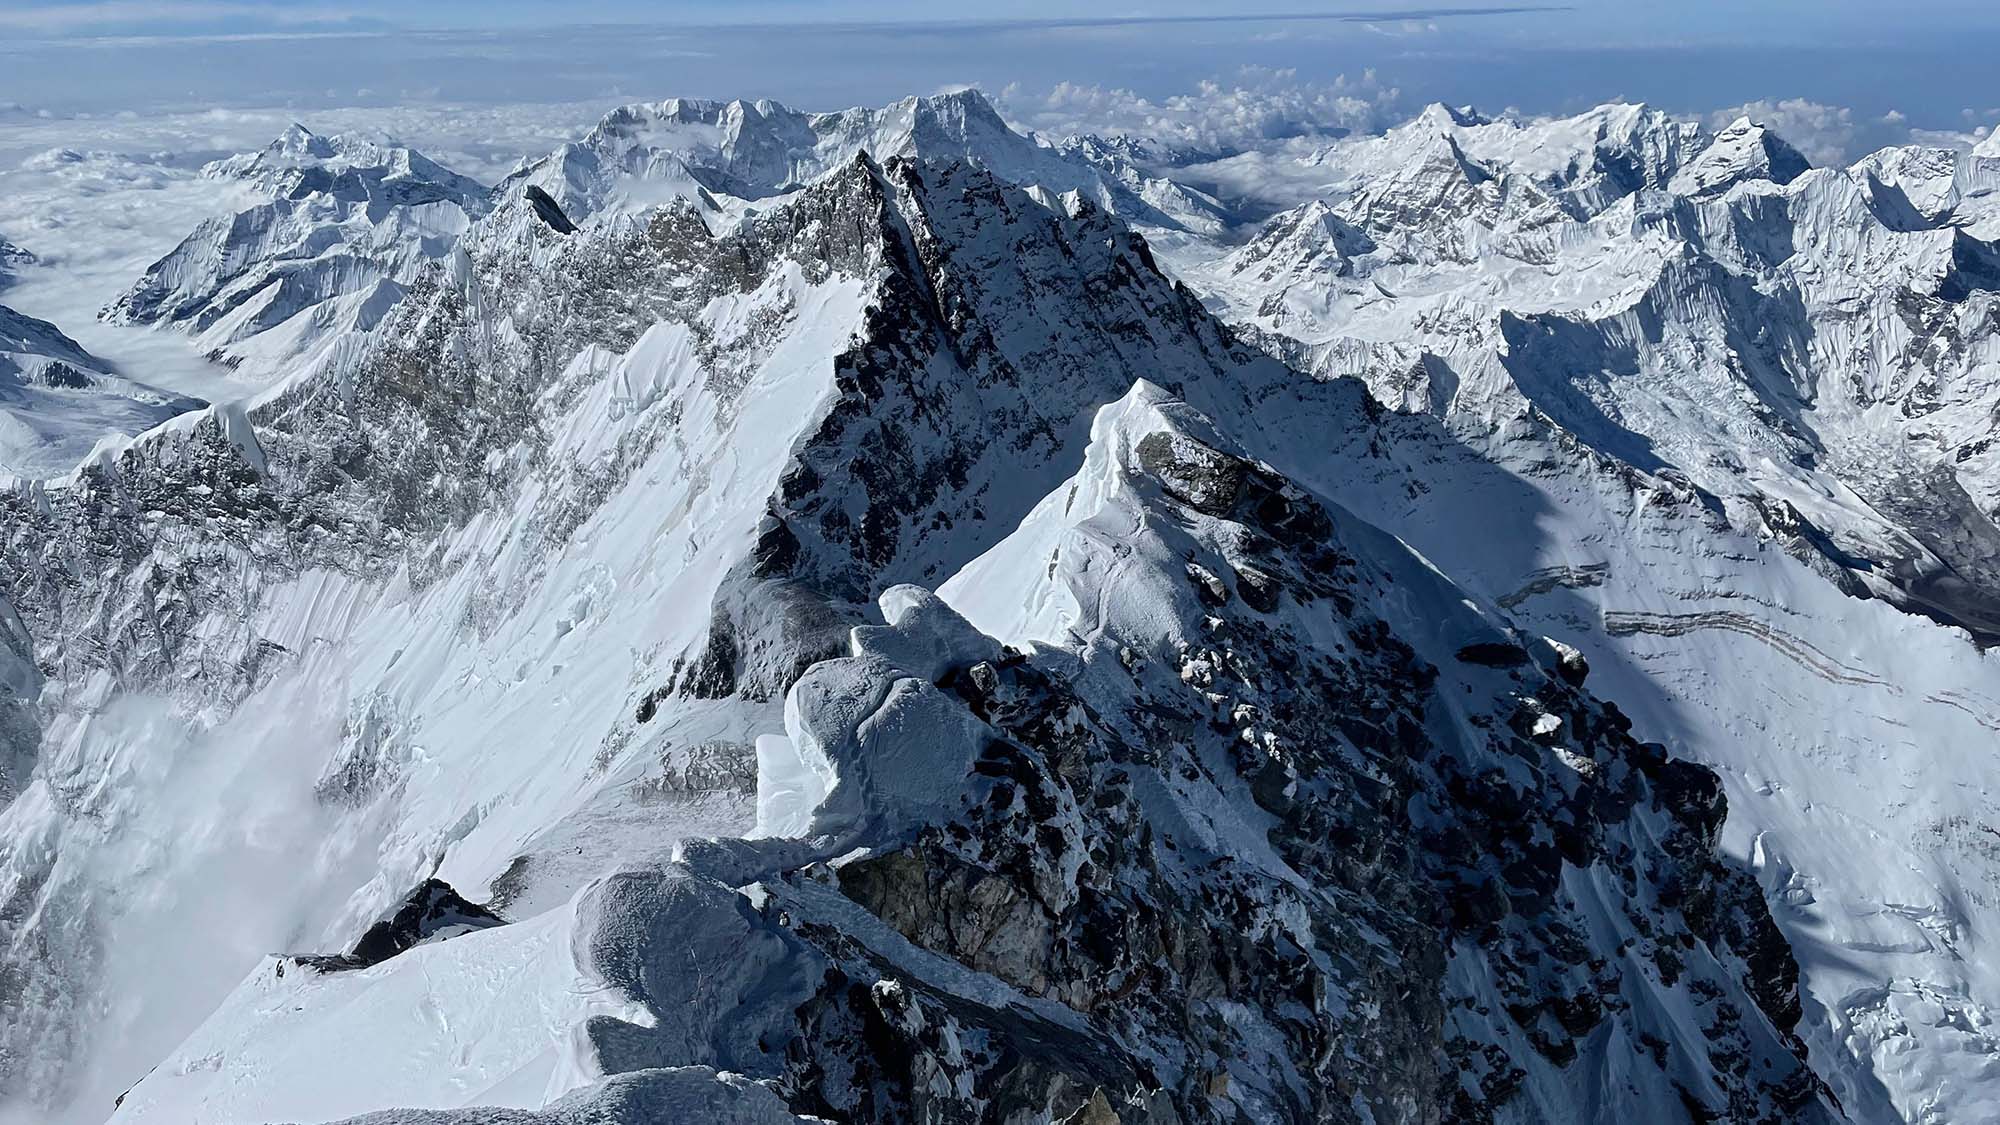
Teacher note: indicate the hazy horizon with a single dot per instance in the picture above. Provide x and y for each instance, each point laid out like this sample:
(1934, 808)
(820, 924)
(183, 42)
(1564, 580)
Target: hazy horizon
(1858, 79)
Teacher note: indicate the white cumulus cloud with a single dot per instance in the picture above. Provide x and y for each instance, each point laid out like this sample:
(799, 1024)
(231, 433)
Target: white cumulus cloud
(1253, 108)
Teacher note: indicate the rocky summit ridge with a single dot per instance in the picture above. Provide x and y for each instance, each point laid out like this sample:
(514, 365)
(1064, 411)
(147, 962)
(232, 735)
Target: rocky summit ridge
(869, 617)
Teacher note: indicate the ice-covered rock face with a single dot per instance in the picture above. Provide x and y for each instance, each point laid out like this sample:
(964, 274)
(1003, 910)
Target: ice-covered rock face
(20, 690)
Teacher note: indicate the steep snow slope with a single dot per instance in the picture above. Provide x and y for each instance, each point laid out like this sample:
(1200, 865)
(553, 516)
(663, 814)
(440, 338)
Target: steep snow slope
(506, 588)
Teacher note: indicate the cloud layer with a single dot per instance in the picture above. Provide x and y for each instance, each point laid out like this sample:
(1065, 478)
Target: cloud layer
(1254, 108)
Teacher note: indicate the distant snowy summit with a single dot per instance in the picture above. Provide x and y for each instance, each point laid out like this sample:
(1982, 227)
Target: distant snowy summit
(650, 153)
(13, 260)
(1808, 343)
(301, 163)
(1744, 151)
(292, 281)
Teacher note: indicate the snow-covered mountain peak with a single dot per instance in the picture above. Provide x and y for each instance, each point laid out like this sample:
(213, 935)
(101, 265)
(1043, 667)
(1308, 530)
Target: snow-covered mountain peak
(1743, 152)
(645, 155)
(1598, 156)
(1920, 182)
(1307, 240)
(958, 117)
(13, 260)
(1585, 162)
(1438, 117)
(298, 143)
(348, 222)
(300, 163)
(1421, 196)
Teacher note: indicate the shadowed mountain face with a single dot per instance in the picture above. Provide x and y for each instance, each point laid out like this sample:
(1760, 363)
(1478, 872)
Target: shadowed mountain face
(883, 646)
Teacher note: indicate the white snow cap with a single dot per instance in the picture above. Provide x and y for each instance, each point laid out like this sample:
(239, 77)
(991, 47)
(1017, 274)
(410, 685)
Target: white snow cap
(924, 636)
(872, 737)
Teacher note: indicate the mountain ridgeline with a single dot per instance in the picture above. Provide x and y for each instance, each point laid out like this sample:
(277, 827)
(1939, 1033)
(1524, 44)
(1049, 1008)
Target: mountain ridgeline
(870, 617)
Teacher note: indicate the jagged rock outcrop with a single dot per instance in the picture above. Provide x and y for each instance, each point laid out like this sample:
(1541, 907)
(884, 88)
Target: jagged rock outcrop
(431, 912)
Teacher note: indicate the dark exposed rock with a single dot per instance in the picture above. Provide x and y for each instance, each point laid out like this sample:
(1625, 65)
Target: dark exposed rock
(1494, 654)
(1208, 585)
(548, 210)
(1259, 590)
(432, 912)
(1206, 480)
(64, 377)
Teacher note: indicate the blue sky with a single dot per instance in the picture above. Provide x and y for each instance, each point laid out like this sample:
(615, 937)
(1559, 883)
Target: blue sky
(1926, 63)
(1605, 21)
